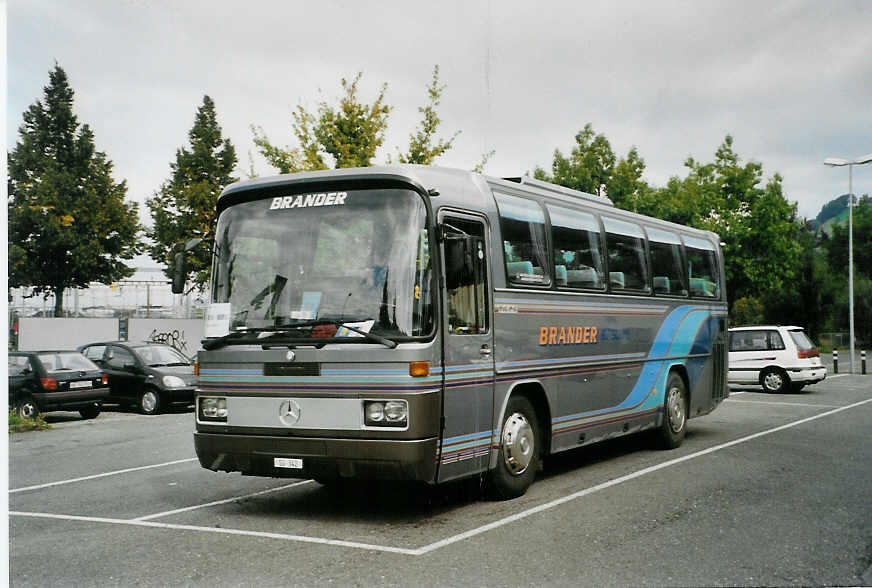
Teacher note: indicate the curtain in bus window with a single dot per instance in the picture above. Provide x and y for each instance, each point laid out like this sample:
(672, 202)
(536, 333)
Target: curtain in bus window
(702, 268)
(522, 223)
(665, 250)
(577, 256)
(625, 244)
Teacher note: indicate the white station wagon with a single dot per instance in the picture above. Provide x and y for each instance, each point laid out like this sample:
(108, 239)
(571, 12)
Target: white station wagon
(775, 357)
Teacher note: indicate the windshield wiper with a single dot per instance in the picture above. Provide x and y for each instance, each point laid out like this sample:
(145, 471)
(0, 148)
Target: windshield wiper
(342, 323)
(235, 337)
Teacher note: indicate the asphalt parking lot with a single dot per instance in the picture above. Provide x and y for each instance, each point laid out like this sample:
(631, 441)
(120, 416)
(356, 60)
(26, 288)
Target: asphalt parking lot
(767, 490)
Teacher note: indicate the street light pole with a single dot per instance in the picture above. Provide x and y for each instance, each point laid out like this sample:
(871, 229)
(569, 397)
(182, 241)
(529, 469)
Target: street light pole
(838, 162)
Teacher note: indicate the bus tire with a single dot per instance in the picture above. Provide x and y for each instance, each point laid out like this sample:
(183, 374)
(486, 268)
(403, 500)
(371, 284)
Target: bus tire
(519, 453)
(774, 380)
(674, 425)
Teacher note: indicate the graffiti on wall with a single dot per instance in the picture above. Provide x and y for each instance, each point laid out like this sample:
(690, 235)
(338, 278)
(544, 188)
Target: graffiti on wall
(175, 337)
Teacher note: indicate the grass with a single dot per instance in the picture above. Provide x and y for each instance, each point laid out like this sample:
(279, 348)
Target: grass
(20, 425)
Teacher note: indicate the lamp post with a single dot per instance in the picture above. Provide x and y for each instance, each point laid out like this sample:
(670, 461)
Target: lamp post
(839, 162)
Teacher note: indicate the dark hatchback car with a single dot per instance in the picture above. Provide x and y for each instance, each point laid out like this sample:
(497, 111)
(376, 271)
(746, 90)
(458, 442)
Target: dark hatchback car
(42, 381)
(149, 376)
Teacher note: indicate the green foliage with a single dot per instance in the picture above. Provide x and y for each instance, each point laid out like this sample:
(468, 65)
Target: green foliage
(348, 134)
(69, 224)
(589, 166)
(184, 206)
(747, 311)
(421, 148)
(21, 425)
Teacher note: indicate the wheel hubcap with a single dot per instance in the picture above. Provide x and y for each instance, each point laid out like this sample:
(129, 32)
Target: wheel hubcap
(28, 410)
(772, 381)
(519, 444)
(149, 401)
(675, 409)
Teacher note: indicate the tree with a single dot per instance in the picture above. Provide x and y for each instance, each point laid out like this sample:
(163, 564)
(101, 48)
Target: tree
(184, 206)
(588, 167)
(69, 224)
(421, 148)
(349, 134)
(625, 186)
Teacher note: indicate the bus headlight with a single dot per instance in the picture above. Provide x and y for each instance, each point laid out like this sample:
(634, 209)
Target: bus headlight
(211, 408)
(386, 413)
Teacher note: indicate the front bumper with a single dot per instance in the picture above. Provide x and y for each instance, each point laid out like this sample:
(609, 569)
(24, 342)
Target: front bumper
(180, 395)
(322, 457)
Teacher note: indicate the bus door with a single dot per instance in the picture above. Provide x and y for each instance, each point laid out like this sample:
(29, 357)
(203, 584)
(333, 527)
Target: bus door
(468, 365)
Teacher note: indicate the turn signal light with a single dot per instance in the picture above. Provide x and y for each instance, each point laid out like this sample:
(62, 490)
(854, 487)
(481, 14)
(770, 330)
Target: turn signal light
(196, 368)
(419, 369)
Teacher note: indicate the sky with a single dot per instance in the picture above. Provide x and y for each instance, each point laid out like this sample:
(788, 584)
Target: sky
(790, 80)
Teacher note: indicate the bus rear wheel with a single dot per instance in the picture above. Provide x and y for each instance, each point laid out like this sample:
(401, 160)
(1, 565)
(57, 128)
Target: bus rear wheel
(519, 453)
(674, 425)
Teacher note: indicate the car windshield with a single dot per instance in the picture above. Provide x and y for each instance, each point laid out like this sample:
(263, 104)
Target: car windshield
(160, 355)
(359, 258)
(65, 361)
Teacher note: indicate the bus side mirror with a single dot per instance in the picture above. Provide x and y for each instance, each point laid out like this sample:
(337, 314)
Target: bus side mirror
(180, 266)
(180, 272)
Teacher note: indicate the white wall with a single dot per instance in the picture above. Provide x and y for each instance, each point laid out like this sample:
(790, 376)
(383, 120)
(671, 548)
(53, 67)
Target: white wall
(68, 333)
(183, 334)
(35, 334)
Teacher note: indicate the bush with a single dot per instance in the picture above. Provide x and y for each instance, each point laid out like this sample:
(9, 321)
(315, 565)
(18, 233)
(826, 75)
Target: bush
(20, 425)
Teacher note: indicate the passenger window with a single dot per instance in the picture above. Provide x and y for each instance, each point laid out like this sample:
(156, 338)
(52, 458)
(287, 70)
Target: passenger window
(466, 276)
(665, 248)
(577, 255)
(522, 223)
(18, 365)
(119, 357)
(625, 245)
(702, 268)
(94, 352)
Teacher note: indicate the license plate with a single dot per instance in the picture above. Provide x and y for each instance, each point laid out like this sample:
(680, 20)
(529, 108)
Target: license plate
(290, 463)
(80, 384)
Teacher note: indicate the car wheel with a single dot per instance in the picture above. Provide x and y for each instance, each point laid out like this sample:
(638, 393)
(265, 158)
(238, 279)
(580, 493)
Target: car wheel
(674, 426)
(519, 452)
(26, 408)
(774, 380)
(90, 412)
(149, 401)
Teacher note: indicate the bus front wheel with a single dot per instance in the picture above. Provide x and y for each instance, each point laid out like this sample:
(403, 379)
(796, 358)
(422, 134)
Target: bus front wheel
(674, 425)
(519, 452)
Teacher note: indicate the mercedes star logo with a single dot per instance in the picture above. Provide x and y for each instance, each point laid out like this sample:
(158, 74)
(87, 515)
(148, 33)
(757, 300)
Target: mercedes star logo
(290, 412)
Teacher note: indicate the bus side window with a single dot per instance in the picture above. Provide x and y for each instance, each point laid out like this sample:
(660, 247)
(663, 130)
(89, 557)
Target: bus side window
(702, 268)
(522, 223)
(466, 277)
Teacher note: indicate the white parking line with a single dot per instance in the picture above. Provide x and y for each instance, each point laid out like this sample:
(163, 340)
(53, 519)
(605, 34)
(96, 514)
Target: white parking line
(460, 536)
(219, 530)
(95, 476)
(217, 502)
(785, 403)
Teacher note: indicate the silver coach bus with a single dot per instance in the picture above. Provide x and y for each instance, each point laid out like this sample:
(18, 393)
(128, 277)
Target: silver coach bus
(430, 324)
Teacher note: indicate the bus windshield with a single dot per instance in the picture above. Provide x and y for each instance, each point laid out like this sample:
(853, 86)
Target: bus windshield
(312, 260)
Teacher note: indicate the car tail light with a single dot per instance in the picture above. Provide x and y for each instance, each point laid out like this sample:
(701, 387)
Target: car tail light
(49, 383)
(103, 379)
(807, 353)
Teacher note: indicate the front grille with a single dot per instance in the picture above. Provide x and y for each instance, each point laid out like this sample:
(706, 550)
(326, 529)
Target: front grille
(292, 369)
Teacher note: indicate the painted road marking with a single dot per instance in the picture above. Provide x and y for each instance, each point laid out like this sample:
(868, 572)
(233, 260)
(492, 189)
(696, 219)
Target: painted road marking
(217, 502)
(95, 476)
(785, 403)
(460, 536)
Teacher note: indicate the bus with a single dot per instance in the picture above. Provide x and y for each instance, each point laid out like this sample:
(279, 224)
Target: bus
(431, 324)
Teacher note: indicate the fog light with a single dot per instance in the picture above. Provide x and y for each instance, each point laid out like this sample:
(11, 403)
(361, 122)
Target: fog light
(213, 409)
